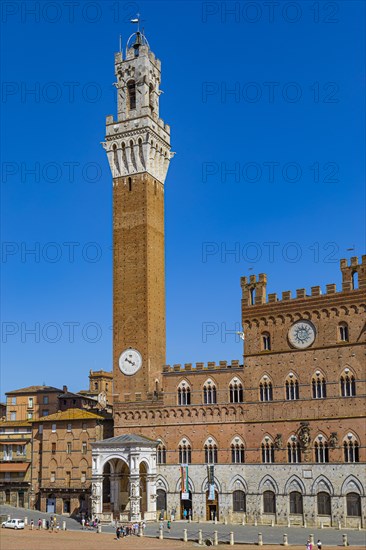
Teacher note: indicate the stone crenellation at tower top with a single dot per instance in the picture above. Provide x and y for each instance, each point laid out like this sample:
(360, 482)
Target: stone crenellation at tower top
(254, 290)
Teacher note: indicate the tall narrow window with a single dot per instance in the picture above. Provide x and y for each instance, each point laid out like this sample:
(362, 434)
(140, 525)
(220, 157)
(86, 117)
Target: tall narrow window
(292, 387)
(239, 504)
(321, 449)
(324, 505)
(184, 394)
(296, 503)
(269, 502)
(343, 332)
(236, 393)
(209, 393)
(266, 341)
(319, 386)
(53, 448)
(265, 389)
(348, 384)
(351, 448)
(68, 448)
(84, 448)
(353, 505)
(267, 451)
(131, 92)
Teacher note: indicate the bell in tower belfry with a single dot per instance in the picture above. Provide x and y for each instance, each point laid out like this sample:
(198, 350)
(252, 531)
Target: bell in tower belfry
(138, 149)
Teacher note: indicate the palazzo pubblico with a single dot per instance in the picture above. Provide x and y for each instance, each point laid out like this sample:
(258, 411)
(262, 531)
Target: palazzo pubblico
(277, 437)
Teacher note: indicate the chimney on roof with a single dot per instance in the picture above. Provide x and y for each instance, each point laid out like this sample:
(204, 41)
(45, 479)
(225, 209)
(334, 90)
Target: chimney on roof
(64, 389)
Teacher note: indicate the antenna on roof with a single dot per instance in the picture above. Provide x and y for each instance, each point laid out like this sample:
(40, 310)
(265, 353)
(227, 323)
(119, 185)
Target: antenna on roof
(120, 43)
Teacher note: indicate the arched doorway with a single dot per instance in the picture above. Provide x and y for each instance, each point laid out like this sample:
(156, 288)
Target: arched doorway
(161, 503)
(116, 490)
(186, 509)
(212, 506)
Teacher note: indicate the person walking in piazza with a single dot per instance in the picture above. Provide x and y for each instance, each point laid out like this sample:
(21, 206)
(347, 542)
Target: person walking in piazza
(118, 533)
(83, 522)
(309, 546)
(168, 524)
(39, 523)
(185, 513)
(319, 545)
(32, 524)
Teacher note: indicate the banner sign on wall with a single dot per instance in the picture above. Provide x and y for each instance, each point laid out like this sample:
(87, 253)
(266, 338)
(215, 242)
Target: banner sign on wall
(184, 482)
(211, 492)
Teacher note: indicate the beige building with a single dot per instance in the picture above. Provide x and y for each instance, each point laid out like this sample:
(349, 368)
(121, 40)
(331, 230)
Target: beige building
(31, 402)
(61, 460)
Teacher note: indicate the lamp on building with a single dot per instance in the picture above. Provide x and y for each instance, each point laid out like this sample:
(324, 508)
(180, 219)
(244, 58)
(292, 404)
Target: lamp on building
(318, 373)
(346, 370)
(349, 436)
(293, 438)
(320, 437)
(291, 375)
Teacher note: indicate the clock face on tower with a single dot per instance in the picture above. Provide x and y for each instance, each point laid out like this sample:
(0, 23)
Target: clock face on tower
(302, 334)
(130, 361)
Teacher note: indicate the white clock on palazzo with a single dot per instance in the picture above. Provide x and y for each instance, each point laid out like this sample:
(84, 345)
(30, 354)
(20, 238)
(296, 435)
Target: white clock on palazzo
(130, 361)
(302, 334)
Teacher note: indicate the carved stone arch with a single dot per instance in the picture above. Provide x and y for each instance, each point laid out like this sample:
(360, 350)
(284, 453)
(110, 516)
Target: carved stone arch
(231, 411)
(269, 377)
(234, 486)
(209, 411)
(124, 416)
(306, 315)
(194, 412)
(343, 310)
(353, 308)
(187, 412)
(297, 316)
(116, 462)
(53, 464)
(224, 411)
(146, 463)
(210, 379)
(240, 411)
(352, 485)
(264, 321)
(289, 317)
(183, 382)
(178, 485)
(152, 415)
(161, 483)
(316, 313)
(130, 416)
(172, 413)
(322, 484)
(313, 375)
(281, 319)
(267, 483)
(202, 412)
(353, 432)
(325, 313)
(295, 376)
(294, 483)
(217, 411)
(237, 436)
(334, 311)
(272, 319)
(137, 415)
(255, 322)
(351, 369)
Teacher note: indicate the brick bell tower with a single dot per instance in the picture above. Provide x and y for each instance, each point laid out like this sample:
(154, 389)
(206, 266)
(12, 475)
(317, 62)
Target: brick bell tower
(138, 150)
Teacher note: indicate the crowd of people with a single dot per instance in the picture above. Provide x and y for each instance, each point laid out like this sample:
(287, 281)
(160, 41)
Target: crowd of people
(129, 529)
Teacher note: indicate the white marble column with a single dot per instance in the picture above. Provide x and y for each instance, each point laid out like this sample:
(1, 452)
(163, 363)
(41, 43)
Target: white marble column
(97, 495)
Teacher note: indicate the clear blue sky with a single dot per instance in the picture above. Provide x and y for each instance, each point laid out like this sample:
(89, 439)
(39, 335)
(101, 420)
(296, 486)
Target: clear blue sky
(293, 131)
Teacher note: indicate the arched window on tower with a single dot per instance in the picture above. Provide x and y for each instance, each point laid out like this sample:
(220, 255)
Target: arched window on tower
(211, 452)
(237, 451)
(266, 341)
(209, 393)
(236, 392)
(293, 450)
(184, 394)
(343, 332)
(318, 386)
(321, 449)
(185, 452)
(265, 389)
(292, 387)
(161, 453)
(267, 450)
(348, 383)
(131, 95)
(351, 448)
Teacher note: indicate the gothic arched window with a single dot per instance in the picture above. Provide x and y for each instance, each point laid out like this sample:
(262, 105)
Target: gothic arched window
(237, 451)
(348, 384)
(265, 389)
(351, 448)
(292, 387)
(184, 394)
(353, 505)
(236, 392)
(296, 503)
(161, 453)
(209, 393)
(269, 502)
(324, 504)
(211, 453)
(185, 452)
(239, 501)
(321, 449)
(267, 450)
(293, 450)
(318, 386)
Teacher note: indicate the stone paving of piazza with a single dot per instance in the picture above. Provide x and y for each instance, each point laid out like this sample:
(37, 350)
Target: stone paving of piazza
(75, 537)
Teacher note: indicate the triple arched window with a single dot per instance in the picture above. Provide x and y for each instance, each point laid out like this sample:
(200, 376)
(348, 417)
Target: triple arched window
(293, 450)
(267, 450)
(237, 451)
(236, 392)
(185, 452)
(211, 452)
(265, 389)
(348, 383)
(351, 448)
(318, 386)
(292, 387)
(321, 449)
(161, 453)
(209, 393)
(184, 394)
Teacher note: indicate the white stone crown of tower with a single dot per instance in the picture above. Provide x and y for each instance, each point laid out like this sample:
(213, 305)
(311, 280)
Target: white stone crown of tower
(138, 141)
